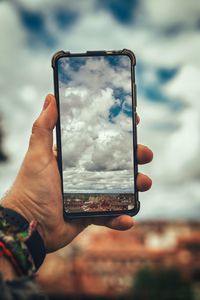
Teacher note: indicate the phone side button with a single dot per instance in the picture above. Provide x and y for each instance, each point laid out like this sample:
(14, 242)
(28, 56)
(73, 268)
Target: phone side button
(135, 94)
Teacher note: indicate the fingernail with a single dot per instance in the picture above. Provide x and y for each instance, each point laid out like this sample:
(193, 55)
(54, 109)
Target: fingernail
(46, 102)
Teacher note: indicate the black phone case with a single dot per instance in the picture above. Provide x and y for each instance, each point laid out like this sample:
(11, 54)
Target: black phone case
(55, 58)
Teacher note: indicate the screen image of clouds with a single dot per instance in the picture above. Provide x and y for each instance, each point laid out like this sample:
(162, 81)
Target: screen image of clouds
(97, 130)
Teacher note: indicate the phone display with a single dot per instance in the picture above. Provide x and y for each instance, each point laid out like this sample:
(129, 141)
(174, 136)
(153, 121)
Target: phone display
(96, 132)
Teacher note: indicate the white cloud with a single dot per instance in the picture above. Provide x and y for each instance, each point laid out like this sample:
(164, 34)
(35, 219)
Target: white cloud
(174, 51)
(168, 13)
(26, 77)
(84, 181)
(90, 142)
(23, 88)
(185, 85)
(184, 143)
(49, 5)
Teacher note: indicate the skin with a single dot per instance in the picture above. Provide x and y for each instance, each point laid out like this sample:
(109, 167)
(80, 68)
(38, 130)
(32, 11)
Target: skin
(7, 269)
(36, 192)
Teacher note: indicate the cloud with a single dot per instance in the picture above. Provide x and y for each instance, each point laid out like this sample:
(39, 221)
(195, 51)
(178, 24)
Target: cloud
(170, 14)
(91, 141)
(184, 143)
(84, 181)
(163, 36)
(23, 88)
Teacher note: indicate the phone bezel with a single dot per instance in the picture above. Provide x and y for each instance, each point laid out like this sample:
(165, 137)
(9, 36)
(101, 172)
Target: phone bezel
(131, 55)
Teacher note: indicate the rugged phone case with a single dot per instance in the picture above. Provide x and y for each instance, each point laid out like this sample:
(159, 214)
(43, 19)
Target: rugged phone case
(55, 59)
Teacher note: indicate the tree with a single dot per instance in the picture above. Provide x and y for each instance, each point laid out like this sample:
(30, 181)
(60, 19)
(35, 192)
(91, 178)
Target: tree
(162, 284)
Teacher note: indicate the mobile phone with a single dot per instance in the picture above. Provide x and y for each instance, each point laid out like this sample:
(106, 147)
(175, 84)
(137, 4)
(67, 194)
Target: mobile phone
(96, 132)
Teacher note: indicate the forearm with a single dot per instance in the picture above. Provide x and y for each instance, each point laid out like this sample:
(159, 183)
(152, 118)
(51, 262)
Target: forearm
(13, 286)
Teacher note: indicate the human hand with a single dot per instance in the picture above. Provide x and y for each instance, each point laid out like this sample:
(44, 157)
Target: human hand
(36, 193)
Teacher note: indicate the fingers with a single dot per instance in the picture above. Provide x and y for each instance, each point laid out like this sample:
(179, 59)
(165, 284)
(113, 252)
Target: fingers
(122, 222)
(137, 119)
(144, 154)
(48, 117)
(144, 183)
(55, 150)
(42, 130)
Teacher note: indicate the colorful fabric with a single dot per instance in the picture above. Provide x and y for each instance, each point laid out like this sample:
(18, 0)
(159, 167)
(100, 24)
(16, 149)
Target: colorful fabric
(14, 241)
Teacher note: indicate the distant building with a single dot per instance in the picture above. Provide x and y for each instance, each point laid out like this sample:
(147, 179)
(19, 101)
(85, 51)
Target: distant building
(103, 262)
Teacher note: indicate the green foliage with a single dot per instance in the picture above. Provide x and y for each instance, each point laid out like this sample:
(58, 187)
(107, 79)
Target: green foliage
(162, 284)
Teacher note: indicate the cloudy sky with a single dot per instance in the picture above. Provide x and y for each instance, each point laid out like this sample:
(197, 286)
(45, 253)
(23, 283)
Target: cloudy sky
(166, 40)
(96, 123)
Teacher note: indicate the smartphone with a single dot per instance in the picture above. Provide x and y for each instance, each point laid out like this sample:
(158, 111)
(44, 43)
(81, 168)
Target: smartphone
(96, 132)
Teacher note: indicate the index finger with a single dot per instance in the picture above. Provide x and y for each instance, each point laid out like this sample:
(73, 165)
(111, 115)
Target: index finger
(137, 119)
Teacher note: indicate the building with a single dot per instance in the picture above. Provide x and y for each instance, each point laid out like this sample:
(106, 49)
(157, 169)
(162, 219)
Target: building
(103, 261)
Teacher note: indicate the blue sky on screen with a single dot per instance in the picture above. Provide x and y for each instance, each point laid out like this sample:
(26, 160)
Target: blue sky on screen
(118, 92)
(166, 40)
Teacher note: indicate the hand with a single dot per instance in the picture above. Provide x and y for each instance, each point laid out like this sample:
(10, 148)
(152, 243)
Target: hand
(36, 192)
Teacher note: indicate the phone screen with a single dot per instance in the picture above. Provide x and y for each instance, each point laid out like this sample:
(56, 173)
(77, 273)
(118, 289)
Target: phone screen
(96, 125)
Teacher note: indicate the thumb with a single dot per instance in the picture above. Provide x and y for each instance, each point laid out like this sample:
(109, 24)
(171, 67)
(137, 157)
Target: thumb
(42, 130)
(48, 117)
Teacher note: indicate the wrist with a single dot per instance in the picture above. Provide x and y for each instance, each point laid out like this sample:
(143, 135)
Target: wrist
(20, 203)
(34, 241)
(7, 269)
(15, 202)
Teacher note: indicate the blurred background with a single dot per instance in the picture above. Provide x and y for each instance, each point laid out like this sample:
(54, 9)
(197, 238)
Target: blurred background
(164, 247)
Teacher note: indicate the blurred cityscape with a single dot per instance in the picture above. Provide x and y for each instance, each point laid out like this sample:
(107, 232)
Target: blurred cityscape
(98, 202)
(111, 264)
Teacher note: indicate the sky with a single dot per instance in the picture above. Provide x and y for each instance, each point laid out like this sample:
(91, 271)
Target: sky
(165, 37)
(96, 124)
